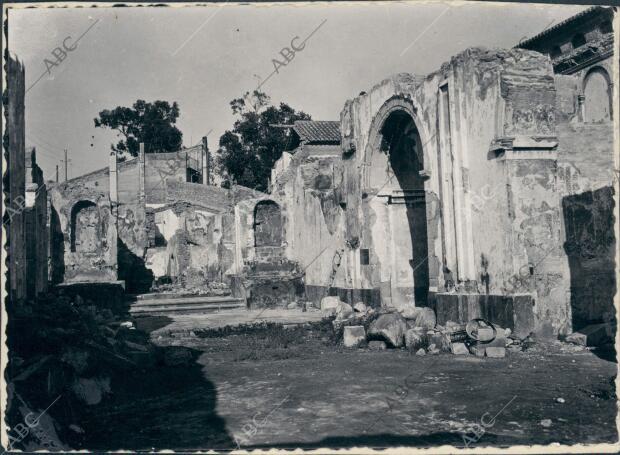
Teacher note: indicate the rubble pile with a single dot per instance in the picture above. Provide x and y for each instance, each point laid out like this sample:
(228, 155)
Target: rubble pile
(205, 288)
(416, 329)
(68, 347)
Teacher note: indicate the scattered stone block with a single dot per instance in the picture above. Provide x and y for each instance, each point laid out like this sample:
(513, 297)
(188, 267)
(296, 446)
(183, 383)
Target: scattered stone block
(390, 327)
(441, 341)
(477, 350)
(343, 311)
(459, 349)
(360, 307)
(354, 336)
(413, 339)
(420, 352)
(495, 352)
(421, 316)
(592, 335)
(329, 302)
(292, 305)
(310, 306)
(376, 345)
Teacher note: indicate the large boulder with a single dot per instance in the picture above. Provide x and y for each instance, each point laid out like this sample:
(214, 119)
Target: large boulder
(389, 327)
(329, 305)
(414, 339)
(343, 311)
(354, 336)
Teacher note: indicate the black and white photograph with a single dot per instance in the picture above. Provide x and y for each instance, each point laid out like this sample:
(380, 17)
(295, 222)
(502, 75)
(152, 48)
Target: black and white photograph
(363, 227)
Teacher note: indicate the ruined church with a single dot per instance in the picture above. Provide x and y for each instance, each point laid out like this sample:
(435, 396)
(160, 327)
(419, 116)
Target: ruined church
(483, 189)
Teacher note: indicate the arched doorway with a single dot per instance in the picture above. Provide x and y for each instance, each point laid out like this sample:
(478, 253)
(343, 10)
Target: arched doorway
(85, 232)
(396, 177)
(597, 94)
(267, 224)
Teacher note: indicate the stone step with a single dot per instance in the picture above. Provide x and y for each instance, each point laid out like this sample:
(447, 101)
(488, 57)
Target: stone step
(153, 299)
(185, 308)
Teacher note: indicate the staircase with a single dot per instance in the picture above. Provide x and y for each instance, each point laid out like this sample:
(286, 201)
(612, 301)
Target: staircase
(162, 303)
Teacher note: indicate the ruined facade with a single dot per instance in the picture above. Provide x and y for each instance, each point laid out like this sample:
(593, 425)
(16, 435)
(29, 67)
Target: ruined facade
(25, 199)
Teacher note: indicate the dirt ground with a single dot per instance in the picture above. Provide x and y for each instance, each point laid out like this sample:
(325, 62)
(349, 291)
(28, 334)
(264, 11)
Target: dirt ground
(297, 387)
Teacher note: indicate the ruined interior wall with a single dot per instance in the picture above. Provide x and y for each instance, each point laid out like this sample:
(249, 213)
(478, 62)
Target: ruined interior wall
(37, 236)
(98, 264)
(194, 244)
(315, 221)
(586, 186)
(14, 185)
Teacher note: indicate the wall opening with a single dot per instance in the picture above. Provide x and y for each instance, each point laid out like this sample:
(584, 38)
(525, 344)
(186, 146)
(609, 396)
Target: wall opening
(407, 211)
(85, 237)
(578, 40)
(267, 224)
(597, 96)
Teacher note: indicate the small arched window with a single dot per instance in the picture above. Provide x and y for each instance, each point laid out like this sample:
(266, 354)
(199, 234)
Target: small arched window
(84, 227)
(597, 96)
(578, 40)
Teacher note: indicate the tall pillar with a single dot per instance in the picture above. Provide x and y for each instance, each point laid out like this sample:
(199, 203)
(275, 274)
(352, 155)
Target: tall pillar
(141, 195)
(113, 179)
(206, 177)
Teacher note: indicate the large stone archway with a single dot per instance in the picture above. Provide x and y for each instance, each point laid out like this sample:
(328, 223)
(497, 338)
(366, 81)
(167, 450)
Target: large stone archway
(397, 200)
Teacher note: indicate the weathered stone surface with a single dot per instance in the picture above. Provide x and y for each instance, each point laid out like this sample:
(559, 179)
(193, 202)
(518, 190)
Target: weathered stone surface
(459, 349)
(376, 345)
(478, 350)
(343, 311)
(413, 339)
(592, 335)
(329, 305)
(389, 327)
(360, 307)
(420, 352)
(421, 316)
(441, 340)
(292, 305)
(495, 352)
(354, 336)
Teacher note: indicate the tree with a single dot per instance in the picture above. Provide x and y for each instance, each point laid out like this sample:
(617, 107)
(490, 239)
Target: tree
(248, 152)
(151, 123)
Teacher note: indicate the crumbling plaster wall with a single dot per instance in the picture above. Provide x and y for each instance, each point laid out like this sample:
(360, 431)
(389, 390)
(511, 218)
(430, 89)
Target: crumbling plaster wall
(586, 182)
(99, 265)
(197, 239)
(502, 176)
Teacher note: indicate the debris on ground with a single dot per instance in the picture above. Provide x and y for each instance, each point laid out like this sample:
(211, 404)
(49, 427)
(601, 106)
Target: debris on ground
(390, 327)
(592, 335)
(354, 336)
(376, 345)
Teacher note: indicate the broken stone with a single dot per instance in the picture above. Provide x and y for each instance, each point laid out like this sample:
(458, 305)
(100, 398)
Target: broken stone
(495, 352)
(441, 340)
(592, 335)
(413, 339)
(360, 307)
(420, 352)
(477, 350)
(292, 305)
(376, 345)
(329, 305)
(309, 306)
(127, 324)
(390, 327)
(459, 349)
(546, 423)
(343, 311)
(354, 336)
(421, 316)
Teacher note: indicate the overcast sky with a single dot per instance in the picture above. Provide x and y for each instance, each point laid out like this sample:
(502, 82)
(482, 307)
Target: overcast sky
(203, 57)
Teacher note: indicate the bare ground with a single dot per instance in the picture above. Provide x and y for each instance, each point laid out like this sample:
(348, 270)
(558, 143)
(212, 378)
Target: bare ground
(297, 388)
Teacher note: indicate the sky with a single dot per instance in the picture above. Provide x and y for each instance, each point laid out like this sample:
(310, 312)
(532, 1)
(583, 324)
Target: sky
(203, 57)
